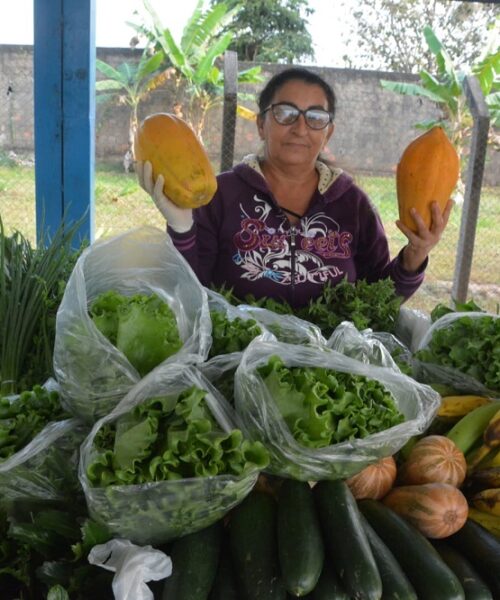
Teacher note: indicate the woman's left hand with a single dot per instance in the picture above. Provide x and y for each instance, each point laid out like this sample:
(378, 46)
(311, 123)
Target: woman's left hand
(421, 243)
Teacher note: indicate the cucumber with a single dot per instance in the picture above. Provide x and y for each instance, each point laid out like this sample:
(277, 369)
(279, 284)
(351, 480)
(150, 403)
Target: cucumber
(395, 583)
(482, 549)
(328, 587)
(346, 540)
(194, 564)
(254, 551)
(474, 586)
(427, 572)
(300, 546)
(224, 587)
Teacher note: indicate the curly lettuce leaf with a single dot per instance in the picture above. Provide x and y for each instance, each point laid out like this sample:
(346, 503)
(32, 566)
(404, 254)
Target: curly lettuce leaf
(231, 335)
(104, 313)
(323, 407)
(181, 441)
(142, 326)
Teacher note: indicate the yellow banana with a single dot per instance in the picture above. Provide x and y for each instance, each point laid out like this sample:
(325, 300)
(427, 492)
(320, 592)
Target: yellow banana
(488, 521)
(458, 406)
(487, 501)
(491, 440)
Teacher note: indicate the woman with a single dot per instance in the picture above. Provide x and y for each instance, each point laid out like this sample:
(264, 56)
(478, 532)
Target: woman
(284, 223)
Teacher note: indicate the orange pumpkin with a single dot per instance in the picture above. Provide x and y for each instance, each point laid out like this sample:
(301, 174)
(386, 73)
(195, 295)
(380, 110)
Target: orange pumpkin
(374, 481)
(175, 152)
(434, 459)
(437, 510)
(428, 171)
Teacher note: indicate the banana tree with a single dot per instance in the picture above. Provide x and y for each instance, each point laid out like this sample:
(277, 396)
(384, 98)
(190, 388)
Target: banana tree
(129, 84)
(446, 89)
(193, 60)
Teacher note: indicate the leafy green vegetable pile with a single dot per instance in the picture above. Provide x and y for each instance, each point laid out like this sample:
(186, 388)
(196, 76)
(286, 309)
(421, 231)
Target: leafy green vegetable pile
(169, 438)
(442, 309)
(374, 305)
(231, 335)
(470, 345)
(142, 326)
(323, 407)
(49, 549)
(24, 417)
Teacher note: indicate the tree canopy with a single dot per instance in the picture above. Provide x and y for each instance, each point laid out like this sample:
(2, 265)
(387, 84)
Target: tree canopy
(388, 33)
(270, 30)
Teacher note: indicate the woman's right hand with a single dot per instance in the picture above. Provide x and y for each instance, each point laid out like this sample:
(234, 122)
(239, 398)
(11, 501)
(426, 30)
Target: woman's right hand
(179, 219)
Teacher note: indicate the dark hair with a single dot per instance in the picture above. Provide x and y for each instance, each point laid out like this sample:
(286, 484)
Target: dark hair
(295, 73)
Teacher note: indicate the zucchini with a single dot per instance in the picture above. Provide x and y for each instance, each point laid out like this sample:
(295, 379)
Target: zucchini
(300, 546)
(254, 551)
(328, 587)
(474, 586)
(346, 540)
(482, 549)
(395, 583)
(427, 572)
(224, 587)
(194, 564)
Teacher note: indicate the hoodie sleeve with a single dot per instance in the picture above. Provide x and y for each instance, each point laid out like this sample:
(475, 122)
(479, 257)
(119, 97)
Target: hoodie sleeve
(199, 245)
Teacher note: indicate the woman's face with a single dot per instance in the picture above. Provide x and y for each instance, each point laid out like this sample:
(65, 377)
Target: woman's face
(295, 144)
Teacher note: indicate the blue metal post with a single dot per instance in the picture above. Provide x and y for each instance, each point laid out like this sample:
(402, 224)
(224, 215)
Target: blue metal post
(64, 67)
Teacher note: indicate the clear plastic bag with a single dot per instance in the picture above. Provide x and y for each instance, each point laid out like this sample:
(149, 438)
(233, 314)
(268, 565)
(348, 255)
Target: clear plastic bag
(217, 302)
(456, 379)
(368, 346)
(155, 513)
(286, 328)
(45, 470)
(411, 326)
(92, 373)
(263, 421)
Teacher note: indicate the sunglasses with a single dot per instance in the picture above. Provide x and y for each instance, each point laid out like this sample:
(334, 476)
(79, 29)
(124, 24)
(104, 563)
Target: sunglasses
(286, 114)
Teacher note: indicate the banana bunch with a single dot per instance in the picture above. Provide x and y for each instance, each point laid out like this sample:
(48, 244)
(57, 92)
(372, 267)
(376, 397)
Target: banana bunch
(458, 406)
(477, 434)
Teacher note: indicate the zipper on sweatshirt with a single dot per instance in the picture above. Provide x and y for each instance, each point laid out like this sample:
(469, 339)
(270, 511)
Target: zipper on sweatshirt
(293, 233)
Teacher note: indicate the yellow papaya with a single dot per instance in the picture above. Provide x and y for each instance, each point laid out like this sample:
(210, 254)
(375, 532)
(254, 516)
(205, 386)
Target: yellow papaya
(175, 152)
(427, 172)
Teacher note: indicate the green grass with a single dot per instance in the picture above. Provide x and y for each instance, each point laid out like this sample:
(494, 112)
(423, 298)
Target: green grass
(120, 204)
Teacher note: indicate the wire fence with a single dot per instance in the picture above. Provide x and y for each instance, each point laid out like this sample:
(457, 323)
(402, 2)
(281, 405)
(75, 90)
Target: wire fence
(120, 203)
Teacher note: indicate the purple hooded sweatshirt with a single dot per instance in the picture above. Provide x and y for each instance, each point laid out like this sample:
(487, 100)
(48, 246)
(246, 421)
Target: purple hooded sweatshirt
(244, 240)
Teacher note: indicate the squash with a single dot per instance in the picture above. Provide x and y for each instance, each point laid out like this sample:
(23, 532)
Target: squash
(374, 481)
(434, 459)
(437, 510)
(428, 171)
(175, 152)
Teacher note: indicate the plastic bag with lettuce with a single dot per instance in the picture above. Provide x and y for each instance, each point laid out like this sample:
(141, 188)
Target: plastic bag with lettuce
(462, 350)
(232, 329)
(286, 328)
(168, 460)
(324, 415)
(371, 347)
(103, 344)
(39, 449)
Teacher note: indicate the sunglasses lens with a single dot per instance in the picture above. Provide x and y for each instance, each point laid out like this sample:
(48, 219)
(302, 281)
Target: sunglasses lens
(317, 119)
(285, 114)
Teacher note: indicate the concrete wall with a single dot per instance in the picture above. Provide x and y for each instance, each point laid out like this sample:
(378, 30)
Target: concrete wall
(373, 125)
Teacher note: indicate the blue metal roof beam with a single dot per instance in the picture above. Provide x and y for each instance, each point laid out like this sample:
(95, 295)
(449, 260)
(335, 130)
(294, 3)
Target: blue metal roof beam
(64, 68)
